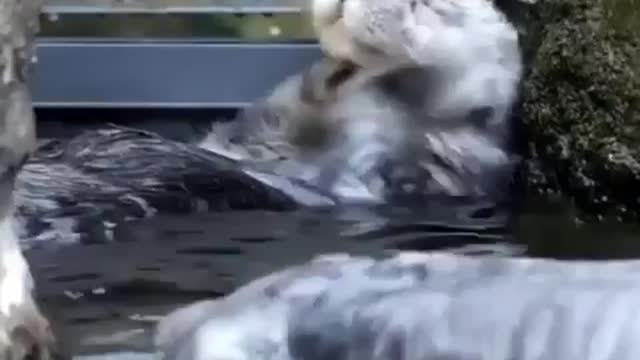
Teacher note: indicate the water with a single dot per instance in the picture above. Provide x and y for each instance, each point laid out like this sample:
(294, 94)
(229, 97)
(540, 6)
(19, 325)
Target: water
(104, 299)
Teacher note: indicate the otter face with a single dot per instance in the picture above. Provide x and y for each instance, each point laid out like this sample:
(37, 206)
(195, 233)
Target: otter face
(431, 32)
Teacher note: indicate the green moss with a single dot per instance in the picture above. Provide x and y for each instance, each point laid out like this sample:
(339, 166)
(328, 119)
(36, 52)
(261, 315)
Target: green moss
(582, 105)
(623, 14)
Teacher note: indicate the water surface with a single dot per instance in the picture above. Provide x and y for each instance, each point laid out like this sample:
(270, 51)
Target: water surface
(104, 298)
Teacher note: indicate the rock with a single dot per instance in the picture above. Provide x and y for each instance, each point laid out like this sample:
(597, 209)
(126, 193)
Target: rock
(582, 104)
(24, 331)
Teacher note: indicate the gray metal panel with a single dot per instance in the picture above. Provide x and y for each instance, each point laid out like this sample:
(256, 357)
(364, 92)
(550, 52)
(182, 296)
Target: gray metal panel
(172, 6)
(162, 74)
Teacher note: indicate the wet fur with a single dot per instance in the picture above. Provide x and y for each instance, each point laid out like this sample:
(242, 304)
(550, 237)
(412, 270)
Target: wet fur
(416, 306)
(470, 43)
(77, 190)
(432, 115)
(385, 136)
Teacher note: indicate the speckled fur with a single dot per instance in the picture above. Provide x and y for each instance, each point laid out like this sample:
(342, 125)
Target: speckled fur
(436, 120)
(415, 306)
(78, 190)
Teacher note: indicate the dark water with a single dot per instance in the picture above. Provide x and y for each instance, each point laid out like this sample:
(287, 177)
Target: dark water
(104, 298)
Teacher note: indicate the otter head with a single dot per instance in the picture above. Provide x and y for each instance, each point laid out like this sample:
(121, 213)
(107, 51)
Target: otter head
(389, 33)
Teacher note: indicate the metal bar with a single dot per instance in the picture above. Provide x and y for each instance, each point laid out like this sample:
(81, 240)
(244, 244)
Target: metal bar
(174, 26)
(161, 74)
(172, 6)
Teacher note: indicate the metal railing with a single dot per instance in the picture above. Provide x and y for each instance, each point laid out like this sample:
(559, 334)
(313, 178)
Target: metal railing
(225, 70)
(173, 6)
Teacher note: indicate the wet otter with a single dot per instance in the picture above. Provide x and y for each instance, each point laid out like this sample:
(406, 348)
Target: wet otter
(416, 306)
(431, 115)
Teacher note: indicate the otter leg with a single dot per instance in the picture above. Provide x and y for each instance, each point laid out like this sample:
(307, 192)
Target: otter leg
(24, 332)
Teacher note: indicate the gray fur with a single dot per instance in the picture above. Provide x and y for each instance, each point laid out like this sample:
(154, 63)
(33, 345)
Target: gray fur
(417, 306)
(71, 190)
(377, 137)
(434, 121)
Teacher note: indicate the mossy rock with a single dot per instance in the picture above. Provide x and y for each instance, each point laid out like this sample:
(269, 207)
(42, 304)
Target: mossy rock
(582, 106)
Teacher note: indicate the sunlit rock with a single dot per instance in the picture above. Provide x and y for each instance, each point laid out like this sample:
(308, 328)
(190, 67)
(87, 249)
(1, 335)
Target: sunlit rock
(24, 332)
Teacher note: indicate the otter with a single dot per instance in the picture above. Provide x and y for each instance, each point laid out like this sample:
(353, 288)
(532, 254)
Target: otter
(416, 306)
(431, 116)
